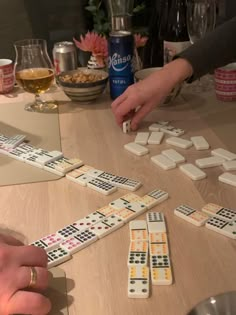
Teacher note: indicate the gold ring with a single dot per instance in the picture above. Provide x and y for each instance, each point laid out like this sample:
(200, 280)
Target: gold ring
(33, 277)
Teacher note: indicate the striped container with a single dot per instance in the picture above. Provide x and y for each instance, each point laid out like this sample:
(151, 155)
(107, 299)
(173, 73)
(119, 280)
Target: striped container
(225, 83)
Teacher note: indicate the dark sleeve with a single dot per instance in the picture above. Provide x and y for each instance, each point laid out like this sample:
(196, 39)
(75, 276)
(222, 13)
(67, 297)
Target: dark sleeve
(216, 49)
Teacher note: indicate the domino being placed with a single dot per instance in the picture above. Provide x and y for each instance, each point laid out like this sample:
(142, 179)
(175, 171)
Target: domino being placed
(192, 171)
(210, 161)
(222, 226)
(228, 178)
(191, 215)
(200, 143)
(164, 162)
(57, 256)
(126, 126)
(161, 270)
(174, 156)
(48, 242)
(136, 148)
(156, 222)
(138, 230)
(170, 130)
(142, 138)
(179, 142)
(225, 154)
(219, 212)
(138, 282)
(155, 137)
(229, 165)
(138, 253)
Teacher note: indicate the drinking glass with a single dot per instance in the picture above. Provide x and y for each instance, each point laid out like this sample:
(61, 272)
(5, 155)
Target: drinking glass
(34, 72)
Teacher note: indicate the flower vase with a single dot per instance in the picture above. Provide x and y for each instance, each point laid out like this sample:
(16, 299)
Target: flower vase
(95, 63)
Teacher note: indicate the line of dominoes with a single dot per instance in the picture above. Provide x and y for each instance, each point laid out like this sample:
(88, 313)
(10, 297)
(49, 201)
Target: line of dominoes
(72, 238)
(74, 169)
(214, 217)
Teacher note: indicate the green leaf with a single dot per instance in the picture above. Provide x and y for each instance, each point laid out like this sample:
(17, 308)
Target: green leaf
(91, 8)
(139, 8)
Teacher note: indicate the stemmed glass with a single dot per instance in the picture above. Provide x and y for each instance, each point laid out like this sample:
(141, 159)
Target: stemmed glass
(34, 72)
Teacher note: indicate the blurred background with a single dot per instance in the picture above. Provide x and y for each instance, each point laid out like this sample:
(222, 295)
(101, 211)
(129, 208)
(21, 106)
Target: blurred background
(58, 20)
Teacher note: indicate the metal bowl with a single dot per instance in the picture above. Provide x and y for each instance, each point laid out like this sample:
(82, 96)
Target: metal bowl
(222, 304)
(142, 74)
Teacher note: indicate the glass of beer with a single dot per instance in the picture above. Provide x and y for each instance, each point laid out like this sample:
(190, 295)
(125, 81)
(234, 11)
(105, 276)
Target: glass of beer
(34, 72)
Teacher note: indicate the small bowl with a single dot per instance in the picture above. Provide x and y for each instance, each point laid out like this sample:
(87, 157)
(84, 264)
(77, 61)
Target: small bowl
(84, 92)
(142, 74)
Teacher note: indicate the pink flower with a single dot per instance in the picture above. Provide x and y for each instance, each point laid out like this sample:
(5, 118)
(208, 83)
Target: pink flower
(140, 41)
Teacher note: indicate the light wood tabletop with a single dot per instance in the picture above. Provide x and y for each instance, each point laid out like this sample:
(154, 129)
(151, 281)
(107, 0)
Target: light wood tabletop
(203, 262)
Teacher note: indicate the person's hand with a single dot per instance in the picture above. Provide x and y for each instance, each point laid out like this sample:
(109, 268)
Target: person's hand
(141, 98)
(16, 294)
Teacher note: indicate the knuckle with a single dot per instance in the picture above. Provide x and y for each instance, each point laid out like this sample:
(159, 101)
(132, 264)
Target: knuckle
(4, 255)
(42, 303)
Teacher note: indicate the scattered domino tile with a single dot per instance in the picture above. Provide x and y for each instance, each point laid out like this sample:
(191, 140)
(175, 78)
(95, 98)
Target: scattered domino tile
(57, 256)
(225, 154)
(48, 242)
(142, 138)
(222, 226)
(156, 222)
(192, 171)
(138, 230)
(228, 178)
(155, 137)
(191, 215)
(219, 212)
(136, 148)
(126, 126)
(229, 165)
(138, 253)
(209, 161)
(101, 186)
(163, 162)
(170, 130)
(174, 156)
(155, 127)
(138, 282)
(161, 270)
(200, 143)
(179, 142)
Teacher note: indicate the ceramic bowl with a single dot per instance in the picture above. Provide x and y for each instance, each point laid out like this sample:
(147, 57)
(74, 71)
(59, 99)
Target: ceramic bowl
(142, 74)
(84, 92)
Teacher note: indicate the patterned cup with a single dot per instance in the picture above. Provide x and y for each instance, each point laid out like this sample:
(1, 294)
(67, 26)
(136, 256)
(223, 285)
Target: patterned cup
(225, 83)
(7, 79)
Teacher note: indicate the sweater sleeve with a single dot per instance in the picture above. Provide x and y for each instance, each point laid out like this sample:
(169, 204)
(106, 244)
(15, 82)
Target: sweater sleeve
(216, 49)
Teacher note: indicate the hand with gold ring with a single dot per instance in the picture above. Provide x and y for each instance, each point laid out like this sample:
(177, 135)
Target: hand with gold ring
(23, 277)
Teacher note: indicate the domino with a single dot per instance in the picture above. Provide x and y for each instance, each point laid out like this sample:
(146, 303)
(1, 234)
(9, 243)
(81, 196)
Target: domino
(229, 165)
(225, 154)
(107, 211)
(154, 197)
(48, 242)
(57, 256)
(170, 130)
(125, 183)
(138, 230)
(191, 215)
(137, 207)
(65, 165)
(222, 226)
(161, 270)
(158, 249)
(163, 123)
(138, 253)
(200, 143)
(126, 214)
(163, 162)
(31, 159)
(219, 212)
(138, 282)
(83, 169)
(131, 197)
(107, 225)
(69, 230)
(179, 142)
(50, 167)
(209, 162)
(78, 241)
(3, 139)
(155, 127)
(126, 126)
(192, 171)
(174, 156)
(228, 178)
(136, 148)
(49, 157)
(82, 179)
(119, 203)
(156, 222)
(142, 138)
(14, 141)
(101, 186)
(107, 177)
(156, 137)
(158, 238)
(88, 221)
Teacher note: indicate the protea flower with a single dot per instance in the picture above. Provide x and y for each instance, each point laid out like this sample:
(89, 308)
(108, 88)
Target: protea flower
(140, 41)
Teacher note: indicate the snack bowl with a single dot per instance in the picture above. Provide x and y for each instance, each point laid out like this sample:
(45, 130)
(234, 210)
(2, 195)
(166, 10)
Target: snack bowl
(83, 84)
(142, 74)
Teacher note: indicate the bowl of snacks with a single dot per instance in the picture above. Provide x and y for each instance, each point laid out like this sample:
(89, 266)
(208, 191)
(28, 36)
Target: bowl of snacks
(83, 85)
(142, 74)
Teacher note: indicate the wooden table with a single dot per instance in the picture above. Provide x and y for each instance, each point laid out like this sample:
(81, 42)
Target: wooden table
(203, 261)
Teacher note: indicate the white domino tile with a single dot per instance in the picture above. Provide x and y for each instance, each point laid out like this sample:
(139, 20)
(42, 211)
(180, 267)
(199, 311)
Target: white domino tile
(163, 162)
(174, 156)
(192, 171)
(210, 161)
(191, 215)
(179, 142)
(138, 282)
(200, 143)
(228, 178)
(136, 148)
(225, 154)
(156, 137)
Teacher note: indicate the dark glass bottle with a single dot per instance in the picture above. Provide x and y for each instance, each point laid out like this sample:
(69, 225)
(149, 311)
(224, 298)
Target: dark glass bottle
(176, 36)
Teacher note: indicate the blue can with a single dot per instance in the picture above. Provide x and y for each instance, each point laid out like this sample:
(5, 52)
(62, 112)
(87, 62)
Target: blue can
(121, 74)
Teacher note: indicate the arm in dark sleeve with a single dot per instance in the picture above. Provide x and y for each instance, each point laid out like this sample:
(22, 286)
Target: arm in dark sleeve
(216, 49)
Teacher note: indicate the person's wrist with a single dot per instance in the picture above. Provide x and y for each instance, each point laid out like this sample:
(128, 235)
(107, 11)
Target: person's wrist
(180, 70)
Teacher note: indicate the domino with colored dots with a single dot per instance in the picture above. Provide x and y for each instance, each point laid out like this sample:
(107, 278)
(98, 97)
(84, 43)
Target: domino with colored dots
(138, 253)
(191, 215)
(156, 222)
(138, 230)
(57, 256)
(138, 282)
(48, 242)
(161, 273)
(219, 212)
(222, 226)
